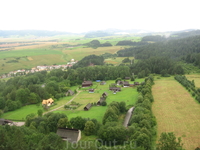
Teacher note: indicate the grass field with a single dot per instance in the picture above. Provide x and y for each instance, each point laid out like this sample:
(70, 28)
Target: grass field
(128, 95)
(196, 78)
(34, 51)
(117, 60)
(79, 53)
(176, 111)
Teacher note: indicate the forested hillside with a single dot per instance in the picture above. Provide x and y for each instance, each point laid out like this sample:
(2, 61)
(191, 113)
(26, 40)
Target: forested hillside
(174, 49)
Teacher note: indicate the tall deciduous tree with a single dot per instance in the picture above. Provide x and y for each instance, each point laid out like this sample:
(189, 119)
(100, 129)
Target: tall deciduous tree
(89, 128)
(168, 141)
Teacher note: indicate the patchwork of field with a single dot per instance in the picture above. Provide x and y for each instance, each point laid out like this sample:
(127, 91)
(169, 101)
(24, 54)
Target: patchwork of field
(79, 53)
(196, 78)
(176, 111)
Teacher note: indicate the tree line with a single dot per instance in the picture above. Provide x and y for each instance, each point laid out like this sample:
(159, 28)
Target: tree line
(174, 49)
(189, 85)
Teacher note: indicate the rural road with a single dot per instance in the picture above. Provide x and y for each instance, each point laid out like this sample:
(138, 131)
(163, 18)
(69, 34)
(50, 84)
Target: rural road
(128, 116)
(63, 105)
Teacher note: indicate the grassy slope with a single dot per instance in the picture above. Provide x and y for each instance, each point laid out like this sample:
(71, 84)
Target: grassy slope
(176, 111)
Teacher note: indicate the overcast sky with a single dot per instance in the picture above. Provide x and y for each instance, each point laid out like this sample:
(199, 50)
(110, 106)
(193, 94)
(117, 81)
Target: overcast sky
(86, 15)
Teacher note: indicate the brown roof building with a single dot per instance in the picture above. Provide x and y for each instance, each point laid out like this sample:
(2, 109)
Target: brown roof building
(102, 99)
(88, 106)
(4, 122)
(87, 83)
(71, 135)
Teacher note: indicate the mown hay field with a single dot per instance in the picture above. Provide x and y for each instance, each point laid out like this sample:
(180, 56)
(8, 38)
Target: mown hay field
(176, 111)
(81, 52)
(30, 62)
(196, 78)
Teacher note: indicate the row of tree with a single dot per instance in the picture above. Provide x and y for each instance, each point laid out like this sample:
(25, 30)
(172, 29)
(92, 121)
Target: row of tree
(189, 85)
(143, 122)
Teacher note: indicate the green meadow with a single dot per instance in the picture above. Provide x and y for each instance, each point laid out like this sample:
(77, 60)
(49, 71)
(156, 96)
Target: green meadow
(128, 95)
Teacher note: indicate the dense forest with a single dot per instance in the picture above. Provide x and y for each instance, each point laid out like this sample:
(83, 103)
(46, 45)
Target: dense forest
(179, 49)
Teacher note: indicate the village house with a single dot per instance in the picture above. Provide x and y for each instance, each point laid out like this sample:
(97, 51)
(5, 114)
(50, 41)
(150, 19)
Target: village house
(69, 93)
(101, 100)
(115, 89)
(4, 122)
(104, 94)
(127, 78)
(87, 83)
(126, 84)
(71, 135)
(120, 82)
(48, 102)
(136, 83)
(91, 90)
(102, 82)
(88, 106)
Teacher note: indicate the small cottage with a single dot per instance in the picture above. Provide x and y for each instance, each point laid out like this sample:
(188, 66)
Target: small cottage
(104, 94)
(102, 82)
(91, 90)
(117, 89)
(126, 84)
(120, 82)
(71, 135)
(127, 78)
(88, 106)
(87, 83)
(136, 83)
(48, 102)
(101, 100)
(69, 93)
(4, 122)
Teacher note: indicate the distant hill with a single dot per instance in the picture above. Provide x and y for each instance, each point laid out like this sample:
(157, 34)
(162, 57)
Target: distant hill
(7, 33)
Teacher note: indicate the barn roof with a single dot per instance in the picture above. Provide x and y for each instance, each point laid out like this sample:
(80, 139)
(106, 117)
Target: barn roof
(72, 135)
(88, 106)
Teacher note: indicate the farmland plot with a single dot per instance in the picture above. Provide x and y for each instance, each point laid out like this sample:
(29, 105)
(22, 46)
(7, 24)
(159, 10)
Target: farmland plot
(176, 111)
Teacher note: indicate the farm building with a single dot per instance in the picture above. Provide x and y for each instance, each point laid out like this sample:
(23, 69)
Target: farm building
(4, 122)
(87, 83)
(88, 106)
(126, 84)
(71, 135)
(104, 94)
(102, 82)
(120, 83)
(127, 78)
(115, 89)
(101, 100)
(48, 102)
(69, 93)
(136, 83)
(91, 90)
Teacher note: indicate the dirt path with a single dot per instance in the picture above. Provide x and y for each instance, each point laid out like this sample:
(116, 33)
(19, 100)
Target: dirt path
(64, 104)
(128, 116)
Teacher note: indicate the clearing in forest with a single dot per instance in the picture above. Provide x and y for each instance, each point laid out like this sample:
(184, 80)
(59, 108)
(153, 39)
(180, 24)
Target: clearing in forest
(176, 111)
